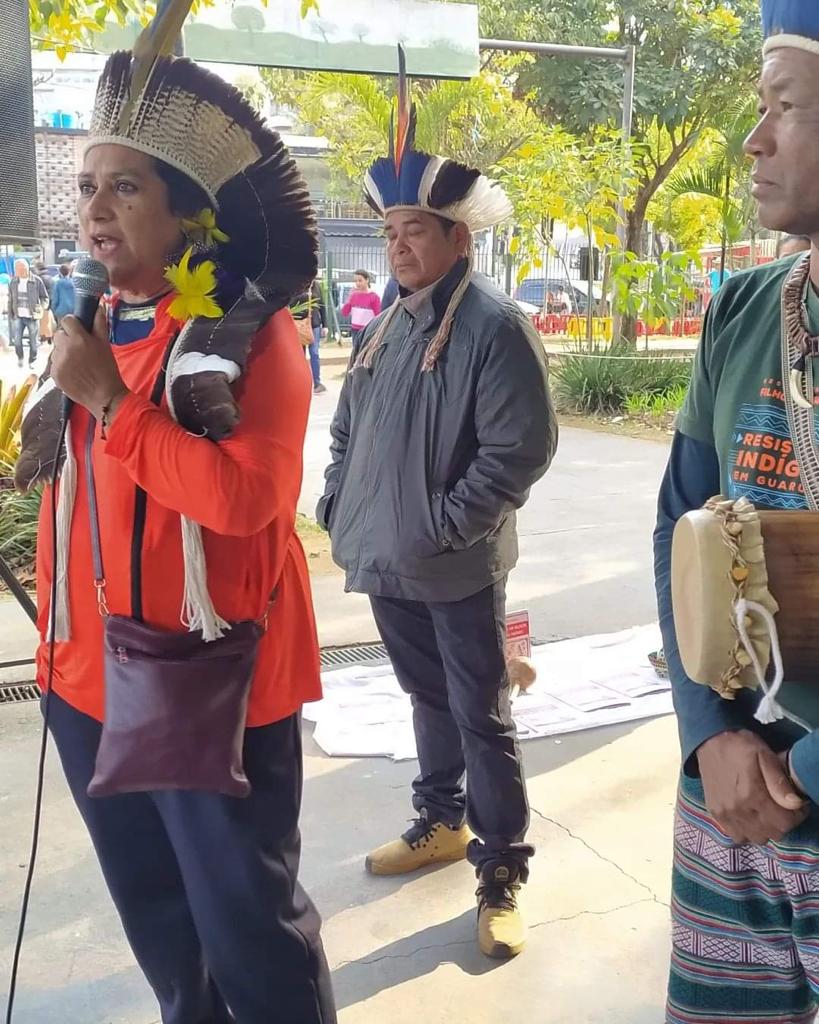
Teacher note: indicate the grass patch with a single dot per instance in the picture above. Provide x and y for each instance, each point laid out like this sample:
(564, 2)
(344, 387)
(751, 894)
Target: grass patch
(603, 381)
(308, 528)
(657, 406)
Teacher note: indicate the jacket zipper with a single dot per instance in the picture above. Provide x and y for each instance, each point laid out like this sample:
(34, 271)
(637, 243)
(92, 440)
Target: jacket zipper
(386, 391)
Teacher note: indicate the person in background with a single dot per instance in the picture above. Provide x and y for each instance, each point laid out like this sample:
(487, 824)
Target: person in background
(790, 245)
(62, 302)
(318, 321)
(27, 301)
(5, 335)
(550, 302)
(444, 423)
(563, 304)
(391, 293)
(363, 305)
(47, 323)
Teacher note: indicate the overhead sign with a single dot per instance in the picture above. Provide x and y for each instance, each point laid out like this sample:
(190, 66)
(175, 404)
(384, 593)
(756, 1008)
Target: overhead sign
(440, 39)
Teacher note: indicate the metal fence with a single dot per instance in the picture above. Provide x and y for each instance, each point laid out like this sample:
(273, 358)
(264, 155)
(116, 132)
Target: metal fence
(341, 258)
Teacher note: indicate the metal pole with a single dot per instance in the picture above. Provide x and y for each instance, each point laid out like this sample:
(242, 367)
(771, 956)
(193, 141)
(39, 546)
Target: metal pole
(630, 67)
(553, 49)
(627, 124)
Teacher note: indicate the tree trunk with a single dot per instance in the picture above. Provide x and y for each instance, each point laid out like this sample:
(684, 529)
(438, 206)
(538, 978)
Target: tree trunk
(606, 283)
(635, 221)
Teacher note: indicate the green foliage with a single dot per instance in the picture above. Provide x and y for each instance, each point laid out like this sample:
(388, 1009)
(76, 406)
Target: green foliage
(19, 513)
(723, 177)
(479, 122)
(64, 25)
(595, 380)
(19, 516)
(643, 404)
(557, 176)
(652, 290)
(690, 56)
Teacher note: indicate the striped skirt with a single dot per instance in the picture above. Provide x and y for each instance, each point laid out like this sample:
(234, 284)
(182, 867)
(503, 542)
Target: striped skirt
(745, 923)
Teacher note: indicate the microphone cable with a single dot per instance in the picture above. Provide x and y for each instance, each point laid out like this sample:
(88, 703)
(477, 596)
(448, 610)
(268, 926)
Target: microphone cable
(38, 801)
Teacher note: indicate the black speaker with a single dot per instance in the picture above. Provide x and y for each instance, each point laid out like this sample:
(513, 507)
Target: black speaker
(583, 254)
(18, 172)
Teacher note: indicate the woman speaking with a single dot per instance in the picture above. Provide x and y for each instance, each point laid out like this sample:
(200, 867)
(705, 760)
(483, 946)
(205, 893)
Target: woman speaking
(185, 642)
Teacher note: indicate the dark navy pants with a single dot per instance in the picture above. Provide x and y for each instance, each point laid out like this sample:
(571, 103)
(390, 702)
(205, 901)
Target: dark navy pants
(206, 885)
(450, 658)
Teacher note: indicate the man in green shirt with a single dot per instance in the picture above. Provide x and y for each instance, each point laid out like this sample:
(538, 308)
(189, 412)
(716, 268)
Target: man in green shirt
(745, 892)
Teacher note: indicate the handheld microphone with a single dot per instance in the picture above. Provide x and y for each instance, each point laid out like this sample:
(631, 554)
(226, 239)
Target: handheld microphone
(90, 283)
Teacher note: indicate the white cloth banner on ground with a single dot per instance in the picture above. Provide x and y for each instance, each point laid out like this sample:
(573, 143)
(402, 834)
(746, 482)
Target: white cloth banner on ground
(581, 684)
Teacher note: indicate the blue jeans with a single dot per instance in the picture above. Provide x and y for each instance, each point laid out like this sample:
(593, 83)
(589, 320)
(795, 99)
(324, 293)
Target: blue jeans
(20, 326)
(315, 362)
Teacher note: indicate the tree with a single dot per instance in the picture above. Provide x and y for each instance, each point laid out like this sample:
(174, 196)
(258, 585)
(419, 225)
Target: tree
(652, 290)
(478, 122)
(692, 58)
(63, 25)
(724, 177)
(558, 177)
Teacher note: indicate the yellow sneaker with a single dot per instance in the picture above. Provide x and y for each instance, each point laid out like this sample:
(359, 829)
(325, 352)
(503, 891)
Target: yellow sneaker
(426, 843)
(501, 928)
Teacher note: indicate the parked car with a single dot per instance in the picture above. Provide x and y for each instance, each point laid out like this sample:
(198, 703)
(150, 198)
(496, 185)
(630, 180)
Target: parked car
(534, 289)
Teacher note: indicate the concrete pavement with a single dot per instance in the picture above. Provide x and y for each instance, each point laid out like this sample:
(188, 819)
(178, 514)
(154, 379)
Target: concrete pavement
(403, 949)
(585, 537)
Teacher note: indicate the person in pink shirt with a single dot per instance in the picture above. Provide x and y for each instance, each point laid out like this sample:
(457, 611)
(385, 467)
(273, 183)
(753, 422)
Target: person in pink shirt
(363, 304)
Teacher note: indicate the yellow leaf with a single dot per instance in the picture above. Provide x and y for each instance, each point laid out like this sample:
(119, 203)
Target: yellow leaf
(514, 245)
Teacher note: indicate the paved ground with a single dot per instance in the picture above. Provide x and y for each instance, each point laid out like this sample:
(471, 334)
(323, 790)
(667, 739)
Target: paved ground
(586, 558)
(402, 950)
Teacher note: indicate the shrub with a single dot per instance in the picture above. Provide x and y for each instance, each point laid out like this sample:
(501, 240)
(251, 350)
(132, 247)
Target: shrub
(19, 513)
(600, 380)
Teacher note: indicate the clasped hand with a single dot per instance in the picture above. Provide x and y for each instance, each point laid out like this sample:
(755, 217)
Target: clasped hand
(747, 790)
(83, 365)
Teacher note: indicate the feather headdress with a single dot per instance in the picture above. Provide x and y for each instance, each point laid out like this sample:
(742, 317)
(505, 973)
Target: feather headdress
(790, 23)
(411, 179)
(184, 116)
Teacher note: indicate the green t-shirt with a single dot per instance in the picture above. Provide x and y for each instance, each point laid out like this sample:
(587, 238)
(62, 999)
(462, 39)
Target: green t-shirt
(736, 401)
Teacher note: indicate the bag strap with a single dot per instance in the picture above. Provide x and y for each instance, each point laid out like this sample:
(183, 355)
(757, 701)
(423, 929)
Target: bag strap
(140, 509)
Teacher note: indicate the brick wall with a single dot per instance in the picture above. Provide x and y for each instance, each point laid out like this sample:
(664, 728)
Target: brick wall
(59, 159)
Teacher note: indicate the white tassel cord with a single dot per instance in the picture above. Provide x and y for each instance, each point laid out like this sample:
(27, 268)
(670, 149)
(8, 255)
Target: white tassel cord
(65, 513)
(198, 611)
(769, 710)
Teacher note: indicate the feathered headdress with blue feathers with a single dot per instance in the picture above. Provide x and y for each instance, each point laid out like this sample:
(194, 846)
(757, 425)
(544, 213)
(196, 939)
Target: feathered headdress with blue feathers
(409, 179)
(791, 23)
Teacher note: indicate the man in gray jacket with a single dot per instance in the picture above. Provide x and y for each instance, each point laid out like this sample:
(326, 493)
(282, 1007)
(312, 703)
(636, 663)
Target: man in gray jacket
(27, 301)
(444, 423)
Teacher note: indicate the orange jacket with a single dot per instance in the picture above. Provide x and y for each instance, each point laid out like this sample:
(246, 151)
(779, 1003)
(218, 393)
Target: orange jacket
(243, 491)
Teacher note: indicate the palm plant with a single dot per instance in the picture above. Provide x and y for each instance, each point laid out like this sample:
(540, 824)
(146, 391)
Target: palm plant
(724, 177)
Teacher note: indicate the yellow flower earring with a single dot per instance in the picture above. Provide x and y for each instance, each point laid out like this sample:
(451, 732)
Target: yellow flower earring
(202, 229)
(195, 289)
